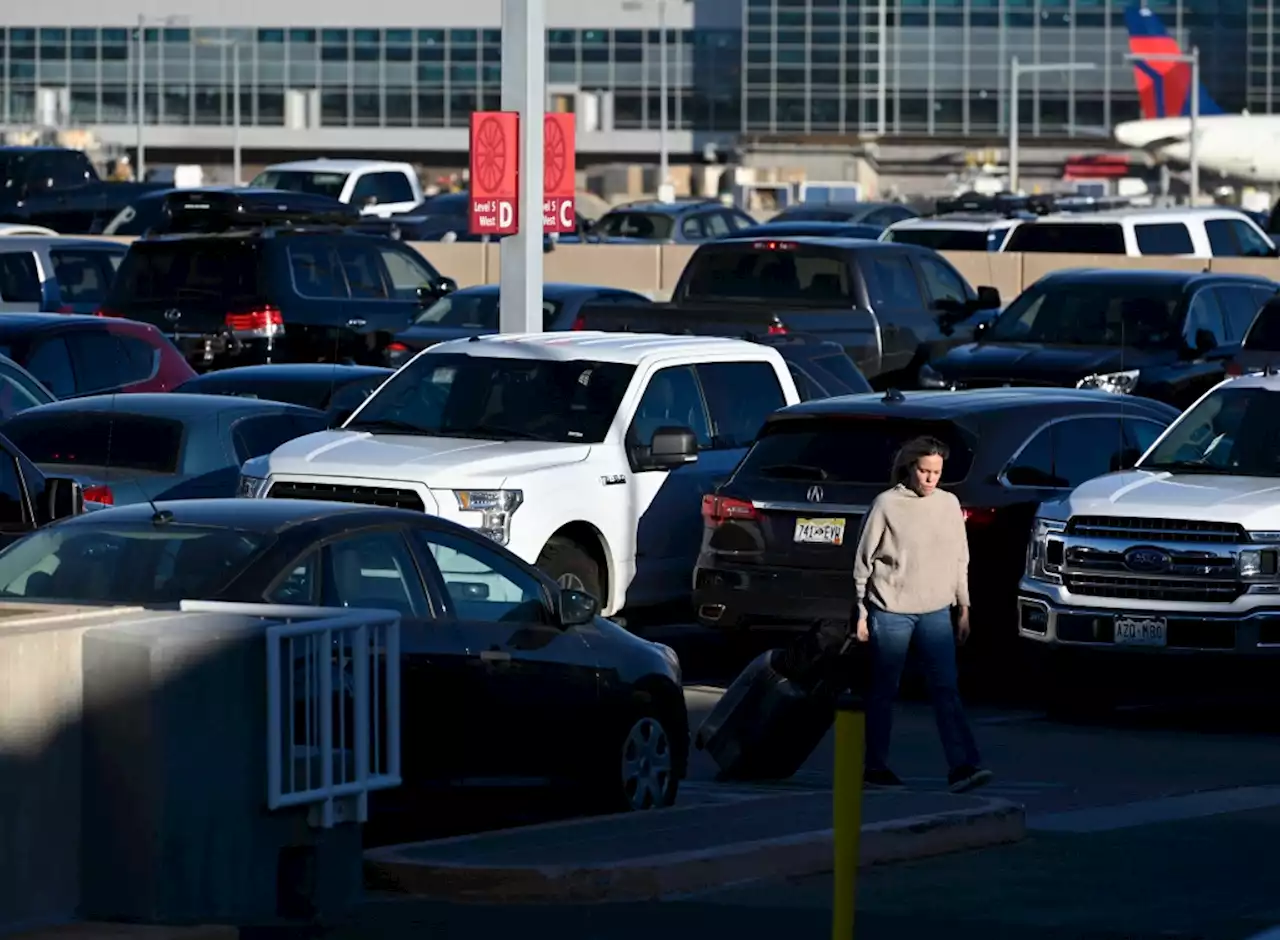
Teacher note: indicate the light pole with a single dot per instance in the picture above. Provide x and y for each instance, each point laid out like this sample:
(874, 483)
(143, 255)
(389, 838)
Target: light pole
(1192, 57)
(142, 87)
(1017, 69)
(663, 161)
(234, 45)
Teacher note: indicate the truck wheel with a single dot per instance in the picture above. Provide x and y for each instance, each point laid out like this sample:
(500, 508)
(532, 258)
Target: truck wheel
(571, 566)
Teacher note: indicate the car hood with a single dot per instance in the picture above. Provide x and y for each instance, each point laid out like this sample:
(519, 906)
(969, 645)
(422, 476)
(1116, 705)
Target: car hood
(1253, 502)
(638, 657)
(423, 459)
(1040, 363)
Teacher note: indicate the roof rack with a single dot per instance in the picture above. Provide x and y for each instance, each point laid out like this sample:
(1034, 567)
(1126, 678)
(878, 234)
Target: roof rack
(203, 211)
(1012, 205)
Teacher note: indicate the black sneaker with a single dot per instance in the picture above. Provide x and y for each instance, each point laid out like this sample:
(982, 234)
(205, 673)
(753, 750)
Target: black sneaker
(964, 779)
(882, 778)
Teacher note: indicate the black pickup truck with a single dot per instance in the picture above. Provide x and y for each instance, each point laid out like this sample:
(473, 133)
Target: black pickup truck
(892, 307)
(58, 188)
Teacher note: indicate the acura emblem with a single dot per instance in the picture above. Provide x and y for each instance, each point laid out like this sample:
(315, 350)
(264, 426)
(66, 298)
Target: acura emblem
(172, 315)
(1148, 560)
(814, 494)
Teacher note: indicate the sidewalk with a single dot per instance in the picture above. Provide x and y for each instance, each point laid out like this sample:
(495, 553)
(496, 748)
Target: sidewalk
(646, 856)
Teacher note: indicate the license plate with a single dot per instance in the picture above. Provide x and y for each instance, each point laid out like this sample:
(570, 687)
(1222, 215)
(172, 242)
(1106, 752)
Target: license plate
(820, 531)
(1141, 631)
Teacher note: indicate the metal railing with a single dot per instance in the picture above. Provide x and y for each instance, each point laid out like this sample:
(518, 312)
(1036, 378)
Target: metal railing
(333, 705)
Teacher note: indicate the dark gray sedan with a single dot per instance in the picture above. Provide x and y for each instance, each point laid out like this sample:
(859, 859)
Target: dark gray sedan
(131, 448)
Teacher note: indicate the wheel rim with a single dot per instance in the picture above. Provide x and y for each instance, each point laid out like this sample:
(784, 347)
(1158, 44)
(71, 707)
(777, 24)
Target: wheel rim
(646, 765)
(572, 582)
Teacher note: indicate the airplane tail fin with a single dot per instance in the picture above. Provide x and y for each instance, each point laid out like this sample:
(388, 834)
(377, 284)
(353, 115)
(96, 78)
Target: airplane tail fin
(1164, 87)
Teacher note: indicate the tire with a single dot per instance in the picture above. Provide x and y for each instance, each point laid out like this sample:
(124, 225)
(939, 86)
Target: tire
(571, 565)
(640, 773)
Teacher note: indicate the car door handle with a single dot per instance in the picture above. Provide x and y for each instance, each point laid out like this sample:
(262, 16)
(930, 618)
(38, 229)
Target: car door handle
(495, 656)
(355, 323)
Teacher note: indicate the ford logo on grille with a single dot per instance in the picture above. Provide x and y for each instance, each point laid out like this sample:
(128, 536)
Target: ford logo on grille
(1148, 560)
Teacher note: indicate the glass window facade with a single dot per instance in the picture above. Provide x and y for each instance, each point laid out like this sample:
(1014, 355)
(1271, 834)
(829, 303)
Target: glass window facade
(794, 67)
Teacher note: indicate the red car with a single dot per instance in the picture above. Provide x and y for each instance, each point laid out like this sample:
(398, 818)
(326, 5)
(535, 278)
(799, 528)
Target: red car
(74, 355)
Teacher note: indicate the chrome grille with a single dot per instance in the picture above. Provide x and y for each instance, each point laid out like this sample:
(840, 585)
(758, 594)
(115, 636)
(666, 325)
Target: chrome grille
(1134, 529)
(1152, 589)
(339, 493)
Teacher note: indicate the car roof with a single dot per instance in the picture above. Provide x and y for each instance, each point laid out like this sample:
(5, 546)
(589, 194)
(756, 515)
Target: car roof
(666, 208)
(1138, 216)
(166, 405)
(550, 289)
(629, 348)
(320, 164)
(32, 242)
(262, 515)
(1148, 276)
(941, 405)
(962, 222)
(11, 323)
(805, 226)
(285, 371)
(862, 244)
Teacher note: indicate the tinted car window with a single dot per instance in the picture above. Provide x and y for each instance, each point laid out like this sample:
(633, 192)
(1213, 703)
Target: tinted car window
(302, 181)
(483, 586)
(807, 388)
(842, 367)
(100, 439)
(259, 435)
(352, 395)
(1240, 307)
(1084, 448)
(1033, 465)
(691, 228)
(940, 239)
(50, 362)
(651, 226)
(13, 510)
(892, 283)
(19, 278)
(363, 268)
(127, 563)
(798, 273)
(1205, 313)
(407, 269)
(1088, 238)
(1232, 429)
(96, 357)
(1252, 244)
(1222, 238)
(1264, 335)
(942, 282)
(139, 359)
(202, 272)
(83, 276)
(384, 187)
(1164, 238)
(846, 449)
(317, 271)
(1093, 313)
(671, 399)
(374, 570)
(1142, 434)
(740, 395)
(17, 392)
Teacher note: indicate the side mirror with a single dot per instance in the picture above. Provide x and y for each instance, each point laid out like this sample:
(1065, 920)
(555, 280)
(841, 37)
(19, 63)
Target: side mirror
(950, 307)
(62, 497)
(988, 298)
(575, 608)
(1205, 341)
(669, 448)
(370, 201)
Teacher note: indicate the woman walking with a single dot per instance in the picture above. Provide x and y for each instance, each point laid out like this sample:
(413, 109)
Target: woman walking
(911, 568)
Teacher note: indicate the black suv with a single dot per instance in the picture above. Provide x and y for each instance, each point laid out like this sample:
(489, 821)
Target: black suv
(256, 285)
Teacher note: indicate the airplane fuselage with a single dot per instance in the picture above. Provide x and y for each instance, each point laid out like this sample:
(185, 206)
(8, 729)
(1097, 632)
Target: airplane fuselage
(1244, 146)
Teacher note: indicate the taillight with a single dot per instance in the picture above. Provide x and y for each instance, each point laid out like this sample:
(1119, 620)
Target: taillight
(99, 493)
(774, 246)
(579, 323)
(107, 312)
(1234, 369)
(264, 321)
(66, 308)
(720, 509)
(979, 517)
(777, 329)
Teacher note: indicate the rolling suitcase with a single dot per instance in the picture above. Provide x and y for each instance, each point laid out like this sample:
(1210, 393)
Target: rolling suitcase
(774, 714)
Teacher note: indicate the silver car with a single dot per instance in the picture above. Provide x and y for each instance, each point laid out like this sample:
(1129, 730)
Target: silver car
(56, 274)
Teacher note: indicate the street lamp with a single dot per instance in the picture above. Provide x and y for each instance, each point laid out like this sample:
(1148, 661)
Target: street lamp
(142, 84)
(1017, 69)
(234, 45)
(1192, 57)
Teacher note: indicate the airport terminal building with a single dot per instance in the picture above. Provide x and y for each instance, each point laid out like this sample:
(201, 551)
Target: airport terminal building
(394, 77)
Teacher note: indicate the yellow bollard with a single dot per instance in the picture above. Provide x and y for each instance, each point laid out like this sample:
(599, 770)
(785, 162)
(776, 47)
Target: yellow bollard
(851, 729)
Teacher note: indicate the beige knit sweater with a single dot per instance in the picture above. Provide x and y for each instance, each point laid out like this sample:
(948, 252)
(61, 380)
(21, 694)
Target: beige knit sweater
(913, 553)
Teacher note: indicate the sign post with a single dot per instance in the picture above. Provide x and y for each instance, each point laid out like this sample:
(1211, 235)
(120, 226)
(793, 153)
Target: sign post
(558, 173)
(524, 81)
(495, 172)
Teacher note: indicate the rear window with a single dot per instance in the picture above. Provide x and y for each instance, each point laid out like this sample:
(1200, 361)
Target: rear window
(84, 276)
(1080, 238)
(98, 439)
(1264, 335)
(854, 449)
(941, 239)
(654, 226)
(314, 182)
(1164, 238)
(795, 273)
(198, 272)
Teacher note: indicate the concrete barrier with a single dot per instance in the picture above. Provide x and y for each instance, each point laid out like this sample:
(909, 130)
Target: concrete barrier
(655, 269)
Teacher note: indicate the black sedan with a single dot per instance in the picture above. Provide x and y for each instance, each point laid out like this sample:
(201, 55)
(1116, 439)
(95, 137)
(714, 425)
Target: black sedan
(780, 533)
(505, 675)
(337, 389)
(1167, 335)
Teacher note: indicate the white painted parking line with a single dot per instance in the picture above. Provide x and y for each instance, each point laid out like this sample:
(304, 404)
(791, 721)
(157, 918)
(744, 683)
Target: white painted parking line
(1166, 809)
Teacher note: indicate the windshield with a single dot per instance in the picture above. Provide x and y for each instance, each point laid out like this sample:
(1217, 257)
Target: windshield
(652, 226)
(127, 563)
(846, 450)
(1087, 238)
(1094, 313)
(316, 182)
(475, 311)
(498, 398)
(785, 271)
(98, 439)
(1232, 431)
(945, 239)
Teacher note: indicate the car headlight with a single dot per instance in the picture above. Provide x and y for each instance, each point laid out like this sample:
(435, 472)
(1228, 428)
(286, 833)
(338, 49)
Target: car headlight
(1118, 383)
(931, 378)
(1047, 551)
(251, 487)
(1258, 563)
(496, 507)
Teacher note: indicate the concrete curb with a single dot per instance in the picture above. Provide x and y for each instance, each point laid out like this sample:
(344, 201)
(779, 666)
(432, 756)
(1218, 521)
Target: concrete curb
(997, 822)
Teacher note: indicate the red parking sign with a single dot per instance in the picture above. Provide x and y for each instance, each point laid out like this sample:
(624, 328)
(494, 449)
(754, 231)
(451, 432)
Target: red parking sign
(495, 172)
(559, 179)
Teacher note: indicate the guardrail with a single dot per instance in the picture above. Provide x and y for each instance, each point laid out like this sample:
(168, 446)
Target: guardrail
(333, 706)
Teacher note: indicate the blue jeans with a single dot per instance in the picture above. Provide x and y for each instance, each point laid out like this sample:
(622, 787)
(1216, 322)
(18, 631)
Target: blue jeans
(891, 639)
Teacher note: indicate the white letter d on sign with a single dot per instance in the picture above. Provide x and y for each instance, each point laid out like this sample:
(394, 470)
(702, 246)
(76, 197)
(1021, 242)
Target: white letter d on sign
(505, 214)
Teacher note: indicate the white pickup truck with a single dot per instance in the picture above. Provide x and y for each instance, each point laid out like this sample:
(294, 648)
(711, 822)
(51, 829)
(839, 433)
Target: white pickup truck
(586, 453)
(375, 187)
(1179, 554)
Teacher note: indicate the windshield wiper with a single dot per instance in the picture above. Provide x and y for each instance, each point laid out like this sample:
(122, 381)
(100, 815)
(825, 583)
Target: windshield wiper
(390, 425)
(1192, 466)
(794, 471)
